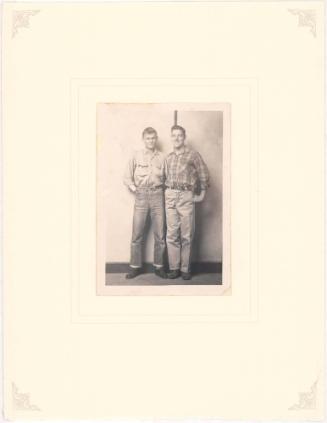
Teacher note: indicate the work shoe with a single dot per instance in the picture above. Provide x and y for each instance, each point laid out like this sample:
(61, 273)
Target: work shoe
(133, 272)
(174, 274)
(186, 276)
(159, 271)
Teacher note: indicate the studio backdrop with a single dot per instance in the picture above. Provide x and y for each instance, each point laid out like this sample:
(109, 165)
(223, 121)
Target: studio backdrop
(119, 134)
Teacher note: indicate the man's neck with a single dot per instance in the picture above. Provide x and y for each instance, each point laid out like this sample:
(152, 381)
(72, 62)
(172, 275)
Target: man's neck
(179, 150)
(149, 150)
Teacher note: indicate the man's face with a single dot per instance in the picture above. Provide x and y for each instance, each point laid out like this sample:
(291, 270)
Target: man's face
(178, 138)
(150, 141)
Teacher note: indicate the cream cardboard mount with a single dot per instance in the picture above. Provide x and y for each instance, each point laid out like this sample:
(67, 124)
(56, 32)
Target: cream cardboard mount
(254, 353)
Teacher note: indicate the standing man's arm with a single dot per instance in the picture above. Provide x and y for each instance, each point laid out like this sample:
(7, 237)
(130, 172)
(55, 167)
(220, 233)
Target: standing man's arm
(129, 175)
(164, 170)
(203, 175)
(200, 197)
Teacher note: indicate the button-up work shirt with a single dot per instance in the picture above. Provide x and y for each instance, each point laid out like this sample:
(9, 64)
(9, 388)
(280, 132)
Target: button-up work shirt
(145, 169)
(186, 168)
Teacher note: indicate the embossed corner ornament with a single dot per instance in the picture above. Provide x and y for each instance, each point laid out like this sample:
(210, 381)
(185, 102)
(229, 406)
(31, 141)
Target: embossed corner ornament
(307, 400)
(21, 401)
(21, 19)
(306, 17)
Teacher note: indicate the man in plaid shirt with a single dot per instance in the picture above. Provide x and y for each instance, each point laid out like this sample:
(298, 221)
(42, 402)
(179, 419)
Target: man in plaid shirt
(184, 171)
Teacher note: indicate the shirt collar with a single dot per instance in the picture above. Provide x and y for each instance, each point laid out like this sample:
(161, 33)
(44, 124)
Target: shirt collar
(149, 152)
(183, 150)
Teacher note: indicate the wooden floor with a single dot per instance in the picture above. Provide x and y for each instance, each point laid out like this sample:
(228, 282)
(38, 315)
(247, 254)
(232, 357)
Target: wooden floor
(151, 279)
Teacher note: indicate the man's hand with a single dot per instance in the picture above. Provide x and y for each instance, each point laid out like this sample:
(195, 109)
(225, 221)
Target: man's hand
(200, 197)
(132, 188)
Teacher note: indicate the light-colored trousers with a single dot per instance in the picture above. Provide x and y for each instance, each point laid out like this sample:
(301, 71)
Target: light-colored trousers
(180, 216)
(148, 201)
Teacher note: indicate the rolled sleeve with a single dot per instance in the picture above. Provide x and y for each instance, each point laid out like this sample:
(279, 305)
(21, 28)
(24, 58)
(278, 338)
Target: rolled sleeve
(129, 172)
(165, 169)
(202, 171)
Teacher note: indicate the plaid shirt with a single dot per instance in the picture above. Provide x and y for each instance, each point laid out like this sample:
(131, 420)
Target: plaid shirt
(186, 168)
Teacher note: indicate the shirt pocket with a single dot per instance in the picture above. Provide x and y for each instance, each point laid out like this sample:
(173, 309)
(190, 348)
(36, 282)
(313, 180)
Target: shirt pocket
(142, 169)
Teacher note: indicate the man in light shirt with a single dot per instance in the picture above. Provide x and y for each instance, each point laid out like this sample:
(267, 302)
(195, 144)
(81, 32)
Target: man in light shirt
(144, 177)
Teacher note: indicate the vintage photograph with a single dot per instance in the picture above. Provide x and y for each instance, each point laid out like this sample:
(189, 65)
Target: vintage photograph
(160, 187)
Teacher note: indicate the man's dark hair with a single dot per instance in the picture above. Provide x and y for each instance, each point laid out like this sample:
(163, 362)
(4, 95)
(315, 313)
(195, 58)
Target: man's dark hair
(178, 127)
(149, 131)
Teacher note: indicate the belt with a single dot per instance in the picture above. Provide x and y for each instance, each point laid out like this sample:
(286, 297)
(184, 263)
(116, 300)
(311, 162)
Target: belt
(181, 187)
(149, 188)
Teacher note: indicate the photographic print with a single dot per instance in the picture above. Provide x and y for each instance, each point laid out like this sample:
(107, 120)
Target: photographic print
(161, 181)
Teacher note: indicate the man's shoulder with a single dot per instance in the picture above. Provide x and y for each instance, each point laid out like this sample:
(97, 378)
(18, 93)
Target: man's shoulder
(191, 151)
(160, 154)
(138, 153)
